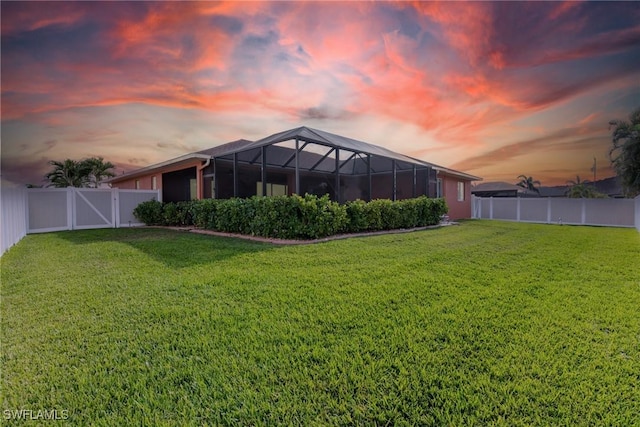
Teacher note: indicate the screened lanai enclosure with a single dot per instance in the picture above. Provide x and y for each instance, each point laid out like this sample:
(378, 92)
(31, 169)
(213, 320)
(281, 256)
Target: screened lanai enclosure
(305, 160)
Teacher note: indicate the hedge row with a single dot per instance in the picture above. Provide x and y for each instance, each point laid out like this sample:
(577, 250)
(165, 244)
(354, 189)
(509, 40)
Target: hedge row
(293, 217)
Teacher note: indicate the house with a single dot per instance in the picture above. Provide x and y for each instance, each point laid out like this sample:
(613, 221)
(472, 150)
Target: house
(299, 161)
(611, 187)
(501, 189)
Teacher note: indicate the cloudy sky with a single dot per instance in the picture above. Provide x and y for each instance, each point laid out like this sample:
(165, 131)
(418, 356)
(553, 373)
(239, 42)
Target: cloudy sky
(495, 89)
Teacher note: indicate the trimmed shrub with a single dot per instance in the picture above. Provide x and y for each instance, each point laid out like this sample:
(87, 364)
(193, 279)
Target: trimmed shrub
(178, 214)
(294, 217)
(203, 212)
(149, 212)
(275, 217)
(356, 216)
(233, 216)
(431, 210)
(373, 212)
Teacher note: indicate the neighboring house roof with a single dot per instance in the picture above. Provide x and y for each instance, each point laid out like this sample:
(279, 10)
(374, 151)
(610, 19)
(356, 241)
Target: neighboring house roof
(499, 188)
(559, 191)
(608, 186)
(282, 155)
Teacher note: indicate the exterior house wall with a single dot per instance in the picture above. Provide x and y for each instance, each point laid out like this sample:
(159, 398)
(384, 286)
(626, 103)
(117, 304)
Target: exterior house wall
(457, 209)
(146, 180)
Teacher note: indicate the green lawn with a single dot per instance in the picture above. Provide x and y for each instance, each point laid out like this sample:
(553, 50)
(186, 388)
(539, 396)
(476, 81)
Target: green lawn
(483, 323)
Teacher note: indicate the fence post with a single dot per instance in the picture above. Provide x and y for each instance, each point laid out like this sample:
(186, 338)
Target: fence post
(71, 208)
(583, 217)
(548, 210)
(115, 207)
(518, 209)
(490, 207)
(637, 213)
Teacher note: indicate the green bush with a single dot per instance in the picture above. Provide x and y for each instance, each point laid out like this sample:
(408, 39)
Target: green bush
(178, 214)
(233, 216)
(203, 212)
(431, 210)
(290, 217)
(357, 219)
(275, 217)
(320, 217)
(373, 212)
(294, 217)
(149, 212)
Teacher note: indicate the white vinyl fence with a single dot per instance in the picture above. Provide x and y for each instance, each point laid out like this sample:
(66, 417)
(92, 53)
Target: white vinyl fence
(605, 212)
(40, 210)
(13, 216)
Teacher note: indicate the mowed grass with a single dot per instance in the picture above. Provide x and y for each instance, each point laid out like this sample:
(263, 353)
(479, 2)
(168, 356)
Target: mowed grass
(486, 323)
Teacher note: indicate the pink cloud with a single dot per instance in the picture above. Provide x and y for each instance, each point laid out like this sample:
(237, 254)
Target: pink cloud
(465, 26)
(562, 8)
(158, 37)
(30, 16)
(462, 73)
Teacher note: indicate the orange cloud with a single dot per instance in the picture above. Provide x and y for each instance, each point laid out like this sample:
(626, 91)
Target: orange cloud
(172, 35)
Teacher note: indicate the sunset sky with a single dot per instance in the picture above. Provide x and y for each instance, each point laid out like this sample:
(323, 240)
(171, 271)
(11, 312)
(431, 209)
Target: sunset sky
(494, 89)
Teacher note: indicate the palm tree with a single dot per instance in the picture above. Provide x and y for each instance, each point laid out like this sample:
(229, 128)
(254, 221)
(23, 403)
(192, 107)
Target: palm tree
(68, 173)
(527, 182)
(99, 169)
(580, 189)
(625, 153)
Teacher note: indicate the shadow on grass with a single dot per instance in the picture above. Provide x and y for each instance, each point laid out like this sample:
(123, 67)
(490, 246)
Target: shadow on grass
(175, 249)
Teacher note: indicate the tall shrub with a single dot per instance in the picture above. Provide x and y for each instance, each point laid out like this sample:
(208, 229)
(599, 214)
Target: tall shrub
(204, 212)
(234, 216)
(149, 212)
(178, 214)
(356, 216)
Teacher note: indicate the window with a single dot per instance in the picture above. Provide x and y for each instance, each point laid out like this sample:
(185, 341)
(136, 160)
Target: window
(460, 191)
(154, 183)
(193, 189)
(272, 189)
(137, 184)
(439, 187)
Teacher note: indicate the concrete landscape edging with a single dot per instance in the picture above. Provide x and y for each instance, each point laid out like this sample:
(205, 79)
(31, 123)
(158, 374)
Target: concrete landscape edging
(304, 242)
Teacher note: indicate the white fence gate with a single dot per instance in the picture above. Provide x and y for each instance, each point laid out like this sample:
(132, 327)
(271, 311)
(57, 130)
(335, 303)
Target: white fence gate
(53, 209)
(605, 212)
(40, 210)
